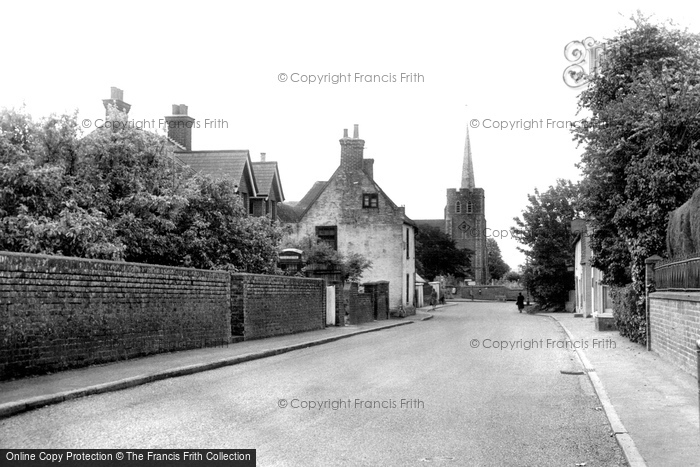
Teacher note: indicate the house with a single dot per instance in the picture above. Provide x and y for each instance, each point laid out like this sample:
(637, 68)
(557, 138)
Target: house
(592, 296)
(352, 214)
(258, 183)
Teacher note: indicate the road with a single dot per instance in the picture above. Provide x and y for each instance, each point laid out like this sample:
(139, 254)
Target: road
(436, 392)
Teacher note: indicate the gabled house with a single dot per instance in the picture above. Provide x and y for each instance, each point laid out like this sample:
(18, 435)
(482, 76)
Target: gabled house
(269, 189)
(352, 214)
(258, 184)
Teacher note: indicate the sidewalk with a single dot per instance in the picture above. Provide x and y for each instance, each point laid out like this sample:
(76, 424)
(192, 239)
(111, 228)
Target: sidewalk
(653, 406)
(34, 392)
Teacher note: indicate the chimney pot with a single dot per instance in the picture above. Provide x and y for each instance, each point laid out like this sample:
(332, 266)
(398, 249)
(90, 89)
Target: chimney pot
(345, 133)
(356, 131)
(176, 109)
(183, 109)
(262, 157)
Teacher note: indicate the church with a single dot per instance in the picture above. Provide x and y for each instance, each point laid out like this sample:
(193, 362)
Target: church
(465, 219)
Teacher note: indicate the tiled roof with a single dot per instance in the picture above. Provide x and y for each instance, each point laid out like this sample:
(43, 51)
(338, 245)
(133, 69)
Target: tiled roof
(287, 213)
(308, 200)
(266, 174)
(219, 164)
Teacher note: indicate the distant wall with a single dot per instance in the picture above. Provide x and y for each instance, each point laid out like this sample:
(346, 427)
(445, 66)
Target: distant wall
(488, 292)
(59, 312)
(674, 319)
(265, 306)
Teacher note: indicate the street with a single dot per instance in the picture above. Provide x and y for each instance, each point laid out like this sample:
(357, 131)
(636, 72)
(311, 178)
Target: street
(479, 384)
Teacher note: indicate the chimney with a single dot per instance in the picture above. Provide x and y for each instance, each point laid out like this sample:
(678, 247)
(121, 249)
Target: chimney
(180, 126)
(368, 167)
(117, 100)
(262, 157)
(351, 151)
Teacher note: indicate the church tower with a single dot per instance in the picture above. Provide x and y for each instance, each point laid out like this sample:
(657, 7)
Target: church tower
(465, 217)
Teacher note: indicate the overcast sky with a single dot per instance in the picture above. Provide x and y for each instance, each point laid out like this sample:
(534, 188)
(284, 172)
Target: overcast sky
(487, 62)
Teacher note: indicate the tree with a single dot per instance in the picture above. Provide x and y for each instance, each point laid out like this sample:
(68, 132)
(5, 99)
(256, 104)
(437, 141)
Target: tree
(438, 255)
(512, 276)
(117, 194)
(314, 251)
(497, 267)
(545, 229)
(642, 146)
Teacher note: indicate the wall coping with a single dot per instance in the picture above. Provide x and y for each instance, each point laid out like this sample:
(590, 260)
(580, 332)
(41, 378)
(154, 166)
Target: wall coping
(677, 296)
(108, 262)
(248, 274)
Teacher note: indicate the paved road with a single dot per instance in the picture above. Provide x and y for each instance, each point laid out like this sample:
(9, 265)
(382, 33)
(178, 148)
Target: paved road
(413, 395)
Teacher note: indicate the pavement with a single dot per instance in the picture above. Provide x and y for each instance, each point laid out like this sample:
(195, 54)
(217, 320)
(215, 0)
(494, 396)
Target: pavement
(652, 405)
(33, 392)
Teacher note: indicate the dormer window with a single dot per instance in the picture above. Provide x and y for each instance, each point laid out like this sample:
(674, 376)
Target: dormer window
(458, 207)
(370, 200)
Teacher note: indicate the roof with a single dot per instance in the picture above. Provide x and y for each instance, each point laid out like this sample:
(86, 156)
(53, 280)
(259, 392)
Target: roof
(287, 213)
(308, 200)
(231, 164)
(268, 178)
(434, 223)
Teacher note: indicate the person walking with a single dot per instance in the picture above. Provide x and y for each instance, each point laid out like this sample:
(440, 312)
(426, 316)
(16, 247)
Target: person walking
(520, 302)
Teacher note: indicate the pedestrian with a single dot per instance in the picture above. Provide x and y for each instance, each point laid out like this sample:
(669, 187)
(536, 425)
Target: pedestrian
(520, 302)
(433, 299)
(442, 299)
(471, 294)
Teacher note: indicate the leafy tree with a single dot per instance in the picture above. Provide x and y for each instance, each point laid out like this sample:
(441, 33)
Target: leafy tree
(642, 146)
(497, 267)
(545, 229)
(117, 194)
(512, 276)
(438, 255)
(351, 266)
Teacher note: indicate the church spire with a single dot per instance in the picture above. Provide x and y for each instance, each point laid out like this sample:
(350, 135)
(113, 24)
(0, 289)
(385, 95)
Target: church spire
(467, 168)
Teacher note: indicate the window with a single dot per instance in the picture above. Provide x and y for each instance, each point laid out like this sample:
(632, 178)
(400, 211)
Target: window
(408, 244)
(470, 207)
(328, 235)
(370, 200)
(458, 207)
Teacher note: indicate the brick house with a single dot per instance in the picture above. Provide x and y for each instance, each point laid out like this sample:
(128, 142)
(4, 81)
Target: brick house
(353, 214)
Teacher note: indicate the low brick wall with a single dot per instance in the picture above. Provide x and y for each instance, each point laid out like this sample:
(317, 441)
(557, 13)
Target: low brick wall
(265, 306)
(675, 326)
(59, 312)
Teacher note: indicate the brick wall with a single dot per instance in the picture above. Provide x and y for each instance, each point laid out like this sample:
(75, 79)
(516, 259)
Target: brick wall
(59, 312)
(675, 326)
(264, 306)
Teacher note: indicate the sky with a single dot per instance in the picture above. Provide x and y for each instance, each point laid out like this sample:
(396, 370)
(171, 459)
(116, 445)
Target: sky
(466, 64)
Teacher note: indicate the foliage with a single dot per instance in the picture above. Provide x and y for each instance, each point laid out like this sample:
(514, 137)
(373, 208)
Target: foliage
(512, 276)
(642, 146)
(545, 229)
(629, 317)
(438, 255)
(497, 267)
(118, 194)
(317, 252)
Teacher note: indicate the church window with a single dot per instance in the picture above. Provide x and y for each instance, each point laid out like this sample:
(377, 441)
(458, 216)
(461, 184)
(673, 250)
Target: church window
(370, 200)
(470, 207)
(458, 207)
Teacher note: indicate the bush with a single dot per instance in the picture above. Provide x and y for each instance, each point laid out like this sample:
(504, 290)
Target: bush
(629, 312)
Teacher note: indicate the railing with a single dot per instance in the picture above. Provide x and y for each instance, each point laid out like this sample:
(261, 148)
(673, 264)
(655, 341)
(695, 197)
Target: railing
(678, 274)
